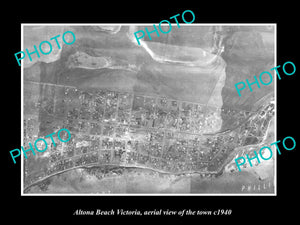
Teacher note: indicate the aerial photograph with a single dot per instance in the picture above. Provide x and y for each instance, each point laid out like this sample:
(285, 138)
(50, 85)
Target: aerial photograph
(162, 117)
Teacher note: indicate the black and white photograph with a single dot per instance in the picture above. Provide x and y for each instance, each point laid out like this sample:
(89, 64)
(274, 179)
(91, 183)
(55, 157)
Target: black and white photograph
(159, 117)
